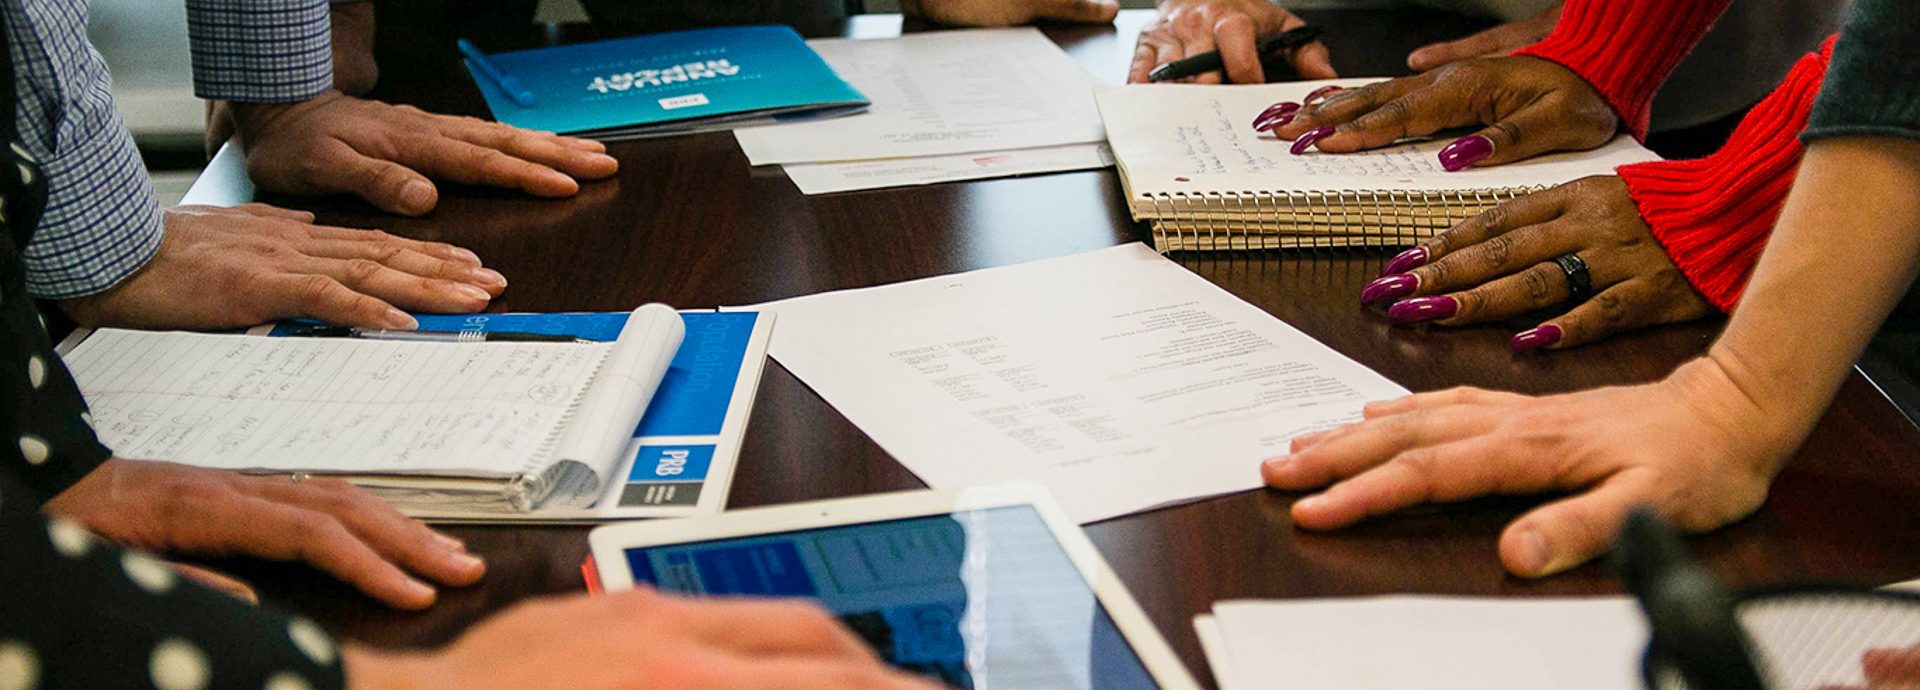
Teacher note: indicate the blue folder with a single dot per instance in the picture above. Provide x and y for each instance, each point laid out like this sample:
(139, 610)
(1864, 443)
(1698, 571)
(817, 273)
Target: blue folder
(670, 83)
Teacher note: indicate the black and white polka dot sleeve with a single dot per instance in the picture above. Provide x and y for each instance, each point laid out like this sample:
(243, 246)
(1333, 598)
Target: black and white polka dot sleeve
(76, 612)
(45, 427)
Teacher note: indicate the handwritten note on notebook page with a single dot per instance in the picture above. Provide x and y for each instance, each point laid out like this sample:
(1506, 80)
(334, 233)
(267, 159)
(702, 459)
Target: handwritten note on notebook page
(1181, 139)
(332, 405)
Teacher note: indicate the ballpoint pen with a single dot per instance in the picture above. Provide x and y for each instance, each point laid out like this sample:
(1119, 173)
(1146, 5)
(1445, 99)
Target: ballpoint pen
(1210, 61)
(431, 336)
(500, 78)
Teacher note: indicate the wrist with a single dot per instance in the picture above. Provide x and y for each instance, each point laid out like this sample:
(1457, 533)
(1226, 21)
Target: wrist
(1733, 400)
(369, 669)
(250, 118)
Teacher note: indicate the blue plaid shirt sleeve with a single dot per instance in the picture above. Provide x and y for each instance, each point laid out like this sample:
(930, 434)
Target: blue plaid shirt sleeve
(260, 51)
(102, 221)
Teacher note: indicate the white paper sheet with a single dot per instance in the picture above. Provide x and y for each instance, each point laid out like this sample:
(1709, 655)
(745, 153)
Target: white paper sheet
(828, 178)
(1176, 138)
(941, 93)
(332, 404)
(1439, 643)
(1116, 378)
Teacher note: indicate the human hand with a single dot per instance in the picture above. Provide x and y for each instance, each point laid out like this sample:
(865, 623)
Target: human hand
(1011, 12)
(1494, 42)
(327, 523)
(354, 69)
(1526, 106)
(1185, 28)
(1889, 669)
(334, 143)
(250, 264)
(1500, 264)
(638, 640)
(1694, 447)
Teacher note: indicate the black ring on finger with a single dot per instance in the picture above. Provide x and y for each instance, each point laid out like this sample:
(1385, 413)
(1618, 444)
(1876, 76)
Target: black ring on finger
(1579, 279)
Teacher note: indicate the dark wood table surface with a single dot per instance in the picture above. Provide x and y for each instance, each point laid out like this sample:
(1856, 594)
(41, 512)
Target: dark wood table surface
(689, 223)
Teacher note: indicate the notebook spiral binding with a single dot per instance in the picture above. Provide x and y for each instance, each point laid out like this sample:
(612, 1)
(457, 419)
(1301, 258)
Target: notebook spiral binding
(568, 481)
(1262, 220)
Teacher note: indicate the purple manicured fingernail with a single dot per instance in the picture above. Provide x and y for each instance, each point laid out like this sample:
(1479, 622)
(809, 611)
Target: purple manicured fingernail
(1464, 152)
(1406, 261)
(1263, 120)
(1542, 336)
(1300, 145)
(1278, 122)
(1389, 287)
(1423, 309)
(1319, 94)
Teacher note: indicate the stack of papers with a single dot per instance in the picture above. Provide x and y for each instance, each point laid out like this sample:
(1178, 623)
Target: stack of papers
(1441, 643)
(1117, 378)
(949, 105)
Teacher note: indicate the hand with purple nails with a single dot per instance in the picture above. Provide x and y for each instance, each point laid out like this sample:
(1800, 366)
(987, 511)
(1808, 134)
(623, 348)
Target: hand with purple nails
(1185, 28)
(1500, 265)
(1518, 107)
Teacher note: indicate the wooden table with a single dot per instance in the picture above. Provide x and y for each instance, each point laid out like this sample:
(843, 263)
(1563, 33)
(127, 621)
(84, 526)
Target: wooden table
(687, 222)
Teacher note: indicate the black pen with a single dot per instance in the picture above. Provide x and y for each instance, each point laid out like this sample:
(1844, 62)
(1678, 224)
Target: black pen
(1210, 61)
(431, 336)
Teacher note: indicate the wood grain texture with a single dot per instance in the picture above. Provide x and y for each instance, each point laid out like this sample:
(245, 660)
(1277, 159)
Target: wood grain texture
(687, 222)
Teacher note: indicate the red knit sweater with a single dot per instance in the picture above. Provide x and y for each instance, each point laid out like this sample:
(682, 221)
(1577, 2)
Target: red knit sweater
(1626, 48)
(1714, 215)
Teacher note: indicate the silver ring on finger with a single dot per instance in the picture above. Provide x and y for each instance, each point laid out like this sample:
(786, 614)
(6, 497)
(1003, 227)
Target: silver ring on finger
(298, 477)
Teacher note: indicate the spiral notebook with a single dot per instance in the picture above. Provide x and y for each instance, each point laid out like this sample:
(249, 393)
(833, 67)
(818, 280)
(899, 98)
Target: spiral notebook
(1194, 168)
(504, 428)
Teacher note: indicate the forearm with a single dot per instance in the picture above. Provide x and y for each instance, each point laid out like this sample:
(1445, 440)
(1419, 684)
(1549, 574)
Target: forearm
(1844, 252)
(1627, 48)
(260, 51)
(1713, 215)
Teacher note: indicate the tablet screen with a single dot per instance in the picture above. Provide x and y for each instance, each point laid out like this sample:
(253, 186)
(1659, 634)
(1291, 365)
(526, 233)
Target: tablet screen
(980, 599)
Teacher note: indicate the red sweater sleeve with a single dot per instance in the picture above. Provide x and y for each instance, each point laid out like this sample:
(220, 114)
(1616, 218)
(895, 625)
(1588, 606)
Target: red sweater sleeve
(1626, 48)
(1713, 215)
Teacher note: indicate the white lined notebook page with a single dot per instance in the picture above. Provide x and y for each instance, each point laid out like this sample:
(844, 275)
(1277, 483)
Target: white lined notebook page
(333, 405)
(1185, 139)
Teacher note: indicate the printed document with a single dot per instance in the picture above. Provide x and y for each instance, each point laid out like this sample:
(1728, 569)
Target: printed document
(1117, 378)
(828, 178)
(1443, 643)
(941, 93)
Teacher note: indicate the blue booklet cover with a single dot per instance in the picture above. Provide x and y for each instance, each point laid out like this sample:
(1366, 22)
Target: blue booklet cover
(667, 83)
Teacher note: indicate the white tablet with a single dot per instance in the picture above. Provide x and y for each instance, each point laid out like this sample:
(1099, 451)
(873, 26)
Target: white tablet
(978, 588)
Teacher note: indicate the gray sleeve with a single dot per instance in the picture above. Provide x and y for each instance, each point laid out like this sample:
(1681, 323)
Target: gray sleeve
(1872, 87)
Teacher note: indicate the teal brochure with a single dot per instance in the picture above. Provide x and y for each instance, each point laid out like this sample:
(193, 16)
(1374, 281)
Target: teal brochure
(669, 83)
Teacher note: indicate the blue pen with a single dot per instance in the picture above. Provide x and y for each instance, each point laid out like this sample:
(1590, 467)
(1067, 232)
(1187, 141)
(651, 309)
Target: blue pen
(505, 81)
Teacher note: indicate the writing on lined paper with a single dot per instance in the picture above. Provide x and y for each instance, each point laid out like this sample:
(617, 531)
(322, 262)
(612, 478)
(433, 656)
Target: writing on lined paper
(331, 405)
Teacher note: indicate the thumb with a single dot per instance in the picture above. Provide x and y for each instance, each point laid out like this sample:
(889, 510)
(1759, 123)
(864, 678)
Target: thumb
(1569, 532)
(217, 581)
(1434, 55)
(1085, 11)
